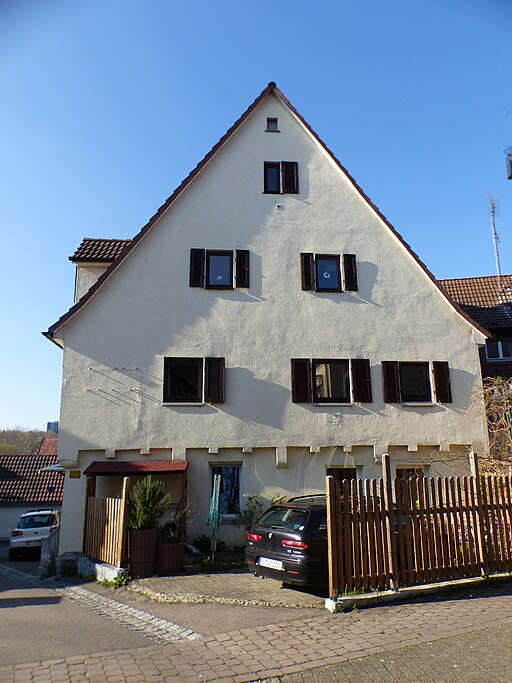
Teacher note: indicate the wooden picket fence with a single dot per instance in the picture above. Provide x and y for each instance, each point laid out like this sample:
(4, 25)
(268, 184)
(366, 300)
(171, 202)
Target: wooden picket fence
(384, 534)
(105, 529)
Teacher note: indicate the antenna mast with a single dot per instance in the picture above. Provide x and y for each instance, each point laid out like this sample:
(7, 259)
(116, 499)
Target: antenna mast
(496, 239)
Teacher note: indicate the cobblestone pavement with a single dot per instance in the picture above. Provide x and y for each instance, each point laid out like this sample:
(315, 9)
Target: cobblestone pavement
(325, 646)
(483, 656)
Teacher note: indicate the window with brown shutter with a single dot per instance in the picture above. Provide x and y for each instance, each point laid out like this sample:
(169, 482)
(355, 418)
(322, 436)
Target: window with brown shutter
(410, 381)
(361, 379)
(301, 380)
(214, 380)
(242, 268)
(329, 380)
(390, 381)
(213, 268)
(442, 381)
(307, 271)
(350, 272)
(290, 177)
(188, 380)
(322, 272)
(197, 257)
(280, 177)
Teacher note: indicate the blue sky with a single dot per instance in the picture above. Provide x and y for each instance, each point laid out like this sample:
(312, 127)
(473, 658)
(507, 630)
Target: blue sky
(106, 105)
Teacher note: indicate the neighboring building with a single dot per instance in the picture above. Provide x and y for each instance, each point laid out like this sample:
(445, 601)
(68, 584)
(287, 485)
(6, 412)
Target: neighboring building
(49, 446)
(488, 300)
(52, 427)
(268, 324)
(24, 488)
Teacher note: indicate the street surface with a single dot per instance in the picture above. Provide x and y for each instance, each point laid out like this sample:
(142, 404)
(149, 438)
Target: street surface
(56, 632)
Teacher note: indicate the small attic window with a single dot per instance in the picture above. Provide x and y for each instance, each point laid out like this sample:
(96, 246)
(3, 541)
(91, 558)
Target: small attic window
(272, 126)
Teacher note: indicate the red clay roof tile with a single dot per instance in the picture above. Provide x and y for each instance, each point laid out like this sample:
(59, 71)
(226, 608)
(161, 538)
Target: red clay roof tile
(487, 299)
(99, 249)
(21, 483)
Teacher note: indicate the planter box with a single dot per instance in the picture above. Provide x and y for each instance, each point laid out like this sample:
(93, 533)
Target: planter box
(170, 557)
(142, 552)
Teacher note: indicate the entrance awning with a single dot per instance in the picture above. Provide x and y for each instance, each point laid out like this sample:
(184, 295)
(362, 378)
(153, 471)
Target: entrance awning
(126, 468)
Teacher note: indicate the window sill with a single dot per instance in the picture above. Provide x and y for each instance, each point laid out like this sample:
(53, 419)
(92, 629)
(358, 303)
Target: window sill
(323, 405)
(418, 404)
(183, 403)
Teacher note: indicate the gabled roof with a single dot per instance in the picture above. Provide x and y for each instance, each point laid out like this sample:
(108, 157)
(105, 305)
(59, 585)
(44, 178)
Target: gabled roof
(21, 483)
(99, 249)
(274, 90)
(487, 299)
(49, 446)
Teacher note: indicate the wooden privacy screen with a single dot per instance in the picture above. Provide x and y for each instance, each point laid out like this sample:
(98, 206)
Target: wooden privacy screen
(105, 528)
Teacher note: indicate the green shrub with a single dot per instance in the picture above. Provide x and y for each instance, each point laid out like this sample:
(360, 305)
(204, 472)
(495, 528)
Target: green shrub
(147, 503)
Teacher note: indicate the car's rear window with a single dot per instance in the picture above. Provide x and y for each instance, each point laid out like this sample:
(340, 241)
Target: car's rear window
(284, 518)
(35, 521)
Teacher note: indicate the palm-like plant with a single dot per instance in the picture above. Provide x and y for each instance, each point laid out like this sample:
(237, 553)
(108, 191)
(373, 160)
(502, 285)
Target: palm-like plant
(147, 503)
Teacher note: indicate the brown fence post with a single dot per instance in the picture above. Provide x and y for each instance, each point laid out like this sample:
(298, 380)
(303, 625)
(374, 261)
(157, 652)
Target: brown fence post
(90, 492)
(122, 532)
(391, 520)
(480, 531)
(334, 540)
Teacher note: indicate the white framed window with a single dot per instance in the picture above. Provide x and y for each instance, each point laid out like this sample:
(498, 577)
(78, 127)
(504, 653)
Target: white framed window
(498, 350)
(229, 494)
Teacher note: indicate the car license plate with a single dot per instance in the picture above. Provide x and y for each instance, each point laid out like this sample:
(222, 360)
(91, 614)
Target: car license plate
(271, 564)
(33, 543)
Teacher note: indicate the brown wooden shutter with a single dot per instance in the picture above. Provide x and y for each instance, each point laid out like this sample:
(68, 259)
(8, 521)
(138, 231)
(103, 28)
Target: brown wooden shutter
(350, 272)
(290, 177)
(390, 381)
(362, 380)
(301, 380)
(307, 270)
(197, 268)
(242, 268)
(214, 380)
(442, 381)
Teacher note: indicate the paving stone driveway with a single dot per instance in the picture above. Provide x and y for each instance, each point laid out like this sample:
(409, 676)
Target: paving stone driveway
(237, 587)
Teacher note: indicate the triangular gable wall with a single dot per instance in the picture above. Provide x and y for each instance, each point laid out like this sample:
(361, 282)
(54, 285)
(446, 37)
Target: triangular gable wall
(270, 90)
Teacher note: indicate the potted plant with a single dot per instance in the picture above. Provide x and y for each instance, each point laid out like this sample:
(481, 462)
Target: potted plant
(147, 503)
(170, 547)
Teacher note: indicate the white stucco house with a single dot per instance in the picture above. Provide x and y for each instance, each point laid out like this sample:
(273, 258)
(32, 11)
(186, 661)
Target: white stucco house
(269, 324)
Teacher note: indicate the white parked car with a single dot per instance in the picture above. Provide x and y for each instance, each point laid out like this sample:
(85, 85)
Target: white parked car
(31, 530)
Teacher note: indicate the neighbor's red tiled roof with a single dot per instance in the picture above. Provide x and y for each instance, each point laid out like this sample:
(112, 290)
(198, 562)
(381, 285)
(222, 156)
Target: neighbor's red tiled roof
(21, 483)
(48, 446)
(271, 89)
(137, 467)
(483, 298)
(98, 249)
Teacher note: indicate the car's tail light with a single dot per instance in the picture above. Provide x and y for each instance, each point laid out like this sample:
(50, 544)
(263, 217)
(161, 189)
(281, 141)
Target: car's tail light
(294, 544)
(16, 532)
(254, 537)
